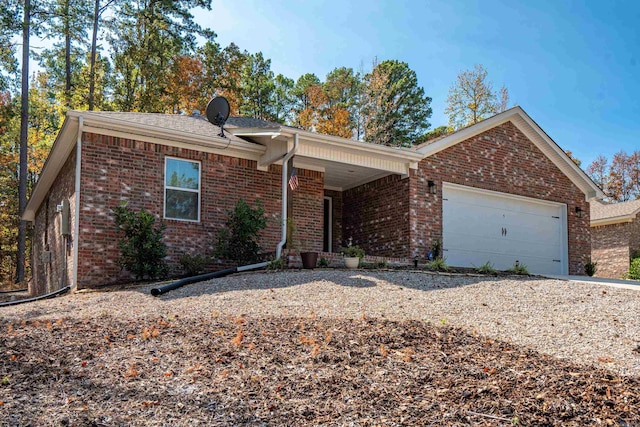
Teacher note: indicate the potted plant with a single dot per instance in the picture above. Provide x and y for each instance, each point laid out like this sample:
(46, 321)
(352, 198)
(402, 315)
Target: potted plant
(309, 258)
(352, 255)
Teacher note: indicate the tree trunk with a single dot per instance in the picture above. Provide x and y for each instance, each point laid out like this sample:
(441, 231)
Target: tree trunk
(24, 128)
(94, 42)
(67, 55)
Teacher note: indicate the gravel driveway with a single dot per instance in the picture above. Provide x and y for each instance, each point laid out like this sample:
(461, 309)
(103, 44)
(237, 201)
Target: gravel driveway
(586, 323)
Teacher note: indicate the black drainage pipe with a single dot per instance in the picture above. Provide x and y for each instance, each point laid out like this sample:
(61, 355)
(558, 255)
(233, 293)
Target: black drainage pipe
(188, 280)
(38, 298)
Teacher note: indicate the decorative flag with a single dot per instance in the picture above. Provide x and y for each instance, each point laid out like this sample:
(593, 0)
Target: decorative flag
(293, 181)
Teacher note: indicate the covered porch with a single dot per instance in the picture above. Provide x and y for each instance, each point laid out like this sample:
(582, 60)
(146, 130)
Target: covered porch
(347, 191)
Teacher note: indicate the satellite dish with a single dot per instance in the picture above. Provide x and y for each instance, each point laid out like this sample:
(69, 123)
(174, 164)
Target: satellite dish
(218, 112)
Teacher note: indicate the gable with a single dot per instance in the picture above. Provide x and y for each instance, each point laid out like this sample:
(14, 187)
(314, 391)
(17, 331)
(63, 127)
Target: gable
(534, 134)
(502, 159)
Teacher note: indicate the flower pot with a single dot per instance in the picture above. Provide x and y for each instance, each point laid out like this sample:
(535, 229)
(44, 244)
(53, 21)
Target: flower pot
(309, 259)
(351, 262)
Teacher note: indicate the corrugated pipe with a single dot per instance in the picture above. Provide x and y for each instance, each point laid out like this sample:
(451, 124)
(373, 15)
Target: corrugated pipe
(202, 277)
(38, 298)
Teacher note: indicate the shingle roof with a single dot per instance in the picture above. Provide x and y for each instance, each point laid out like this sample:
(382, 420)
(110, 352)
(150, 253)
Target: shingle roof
(623, 210)
(184, 123)
(250, 122)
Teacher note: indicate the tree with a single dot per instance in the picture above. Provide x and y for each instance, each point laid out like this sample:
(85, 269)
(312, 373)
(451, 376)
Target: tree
(257, 87)
(396, 107)
(620, 179)
(573, 159)
(98, 10)
(145, 37)
(623, 181)
(9, 27)
(24, 135)
(434, 133)
(471, 99)
(185, 85)
(223, 68)
(342, 87)
(282, 100)
(68, 26)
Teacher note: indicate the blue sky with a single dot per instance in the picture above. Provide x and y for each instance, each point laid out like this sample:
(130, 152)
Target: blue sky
(574, 67)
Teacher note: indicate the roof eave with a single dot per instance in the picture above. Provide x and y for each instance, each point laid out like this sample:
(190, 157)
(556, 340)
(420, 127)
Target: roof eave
(60, 151)
(394, 152)
(612, 220)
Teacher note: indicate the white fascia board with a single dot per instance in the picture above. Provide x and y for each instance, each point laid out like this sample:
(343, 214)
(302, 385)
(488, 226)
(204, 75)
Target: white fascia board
(272, 132)
(60, 151)
(348, 145)
(612, 220)
(464, 134)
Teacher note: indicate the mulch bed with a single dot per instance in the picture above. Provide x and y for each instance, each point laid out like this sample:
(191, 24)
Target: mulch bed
(205, 369)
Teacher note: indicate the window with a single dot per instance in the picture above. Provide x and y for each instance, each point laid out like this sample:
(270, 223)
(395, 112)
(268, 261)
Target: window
(181, 189)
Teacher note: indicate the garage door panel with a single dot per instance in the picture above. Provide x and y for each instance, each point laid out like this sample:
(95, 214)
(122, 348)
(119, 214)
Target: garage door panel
(481, 226)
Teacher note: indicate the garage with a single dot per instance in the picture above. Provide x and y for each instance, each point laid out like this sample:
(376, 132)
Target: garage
(481, 225)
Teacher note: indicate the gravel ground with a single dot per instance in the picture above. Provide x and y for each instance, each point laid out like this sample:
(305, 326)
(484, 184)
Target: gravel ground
(584, 323)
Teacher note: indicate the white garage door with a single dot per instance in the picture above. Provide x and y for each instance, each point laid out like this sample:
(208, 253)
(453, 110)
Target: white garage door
(480, 226)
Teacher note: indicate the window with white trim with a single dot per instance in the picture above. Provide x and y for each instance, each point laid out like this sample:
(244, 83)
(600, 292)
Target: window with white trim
(181, 189)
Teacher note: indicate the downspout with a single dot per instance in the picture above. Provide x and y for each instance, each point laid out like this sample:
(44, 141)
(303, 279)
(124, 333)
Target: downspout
(157, 291)
(285, 160)
(76, 220)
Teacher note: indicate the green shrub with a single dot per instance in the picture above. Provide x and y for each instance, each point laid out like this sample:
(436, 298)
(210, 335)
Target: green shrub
(323, 263)
(277, 264)
(238, 241)
(142, 251)
(380, 264)
(486, 268)
(438, 264)
(518, 268)
(590, 268)
(634, 269)
(436, 248)
(193, 265)
(352, 251)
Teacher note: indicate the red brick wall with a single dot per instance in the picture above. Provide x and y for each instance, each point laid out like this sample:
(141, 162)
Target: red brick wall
(308, 209)
(49, 277)
(634, 237)
(377, 216)
(613, 245)
(500, 159)
(117, 169)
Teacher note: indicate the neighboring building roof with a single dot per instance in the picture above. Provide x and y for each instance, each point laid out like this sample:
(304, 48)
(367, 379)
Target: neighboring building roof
(533, 132)
(613, 213)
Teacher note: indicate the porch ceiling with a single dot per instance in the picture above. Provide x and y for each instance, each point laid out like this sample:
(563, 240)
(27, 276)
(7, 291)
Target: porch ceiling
(345, 163)
(340, 176)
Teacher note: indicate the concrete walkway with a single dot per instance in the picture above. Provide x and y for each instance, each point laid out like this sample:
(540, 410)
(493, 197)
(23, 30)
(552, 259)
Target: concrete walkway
(616, 283)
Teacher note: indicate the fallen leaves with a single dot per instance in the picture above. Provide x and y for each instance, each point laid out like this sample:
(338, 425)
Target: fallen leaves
(132, 372)
(322, 371)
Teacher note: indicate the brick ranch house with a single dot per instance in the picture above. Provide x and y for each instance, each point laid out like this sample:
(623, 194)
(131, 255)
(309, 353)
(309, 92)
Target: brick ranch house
(615, 231)
(500, 191)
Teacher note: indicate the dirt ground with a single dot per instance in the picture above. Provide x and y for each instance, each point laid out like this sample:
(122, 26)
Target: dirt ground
(208, 369)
